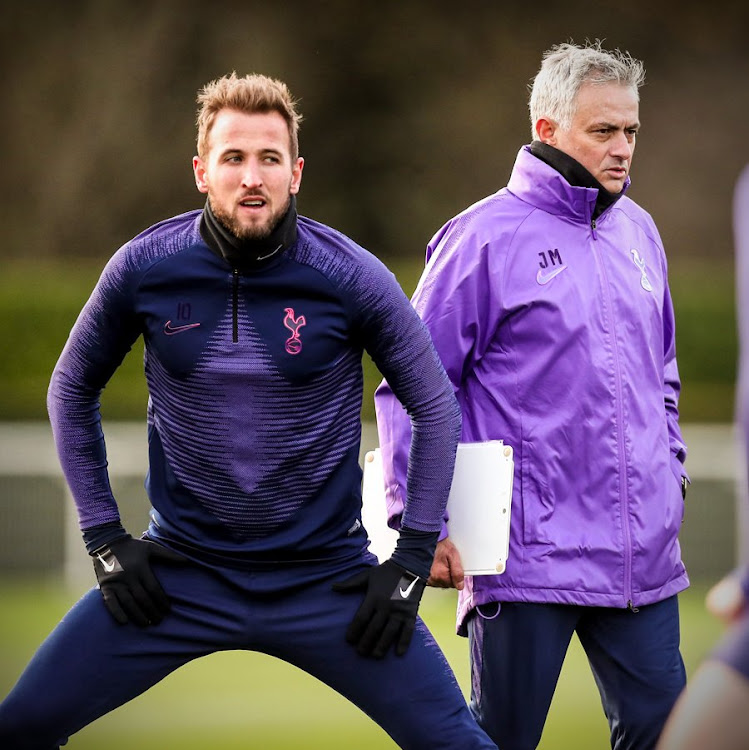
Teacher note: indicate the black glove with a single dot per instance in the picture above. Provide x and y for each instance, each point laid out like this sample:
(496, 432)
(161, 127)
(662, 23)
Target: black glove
(128, 585)
(387, 615)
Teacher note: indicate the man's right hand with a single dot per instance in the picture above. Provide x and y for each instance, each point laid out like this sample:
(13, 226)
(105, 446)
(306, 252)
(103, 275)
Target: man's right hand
(447, 568)
(129, 587)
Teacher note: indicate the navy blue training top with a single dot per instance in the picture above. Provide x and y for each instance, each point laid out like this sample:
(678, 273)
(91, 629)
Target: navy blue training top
(255, 390)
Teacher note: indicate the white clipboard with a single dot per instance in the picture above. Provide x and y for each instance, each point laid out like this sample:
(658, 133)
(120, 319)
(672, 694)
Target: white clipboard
(479, 506)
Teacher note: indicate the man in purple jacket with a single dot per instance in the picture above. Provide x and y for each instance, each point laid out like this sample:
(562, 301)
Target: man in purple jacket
(549, 305)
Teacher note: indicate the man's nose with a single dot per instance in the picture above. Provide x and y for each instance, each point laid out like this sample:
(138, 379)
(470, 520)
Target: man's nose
(622, 146)
(252, 175)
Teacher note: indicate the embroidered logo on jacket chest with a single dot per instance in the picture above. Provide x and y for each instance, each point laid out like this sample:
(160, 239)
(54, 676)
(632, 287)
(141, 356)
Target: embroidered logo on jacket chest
(639, 261)
(181, 321)
(294, 324)
(550, 266)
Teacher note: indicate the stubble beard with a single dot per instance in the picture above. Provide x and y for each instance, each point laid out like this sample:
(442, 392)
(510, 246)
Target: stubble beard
(255, 232)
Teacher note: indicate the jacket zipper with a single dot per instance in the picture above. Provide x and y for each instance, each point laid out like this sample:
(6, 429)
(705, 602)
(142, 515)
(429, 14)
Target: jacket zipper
(620, 440)
(235, 306)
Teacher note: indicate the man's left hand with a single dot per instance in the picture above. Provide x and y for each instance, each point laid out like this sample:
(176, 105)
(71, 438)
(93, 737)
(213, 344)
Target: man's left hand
(388, 613)
(131, 591)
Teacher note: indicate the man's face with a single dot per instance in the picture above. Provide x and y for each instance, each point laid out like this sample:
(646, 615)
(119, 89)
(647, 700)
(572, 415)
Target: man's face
(248, 172)
(602, 134)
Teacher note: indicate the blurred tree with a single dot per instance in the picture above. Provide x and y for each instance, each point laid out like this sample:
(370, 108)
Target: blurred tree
(413, 110)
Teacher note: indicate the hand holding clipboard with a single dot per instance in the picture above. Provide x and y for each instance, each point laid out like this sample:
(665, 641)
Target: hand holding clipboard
(478, 507)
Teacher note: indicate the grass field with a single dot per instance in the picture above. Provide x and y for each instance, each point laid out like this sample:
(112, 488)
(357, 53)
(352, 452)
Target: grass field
(242, 700)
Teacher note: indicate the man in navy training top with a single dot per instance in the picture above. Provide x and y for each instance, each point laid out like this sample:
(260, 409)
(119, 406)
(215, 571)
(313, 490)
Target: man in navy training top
(254, 321)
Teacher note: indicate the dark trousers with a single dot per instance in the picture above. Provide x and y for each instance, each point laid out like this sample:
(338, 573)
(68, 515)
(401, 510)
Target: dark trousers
(517, 656)
(89, 665)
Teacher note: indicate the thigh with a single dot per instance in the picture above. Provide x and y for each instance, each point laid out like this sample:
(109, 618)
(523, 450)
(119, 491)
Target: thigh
(517, 654)
(89, 664)
(415, 698)
(637, 666)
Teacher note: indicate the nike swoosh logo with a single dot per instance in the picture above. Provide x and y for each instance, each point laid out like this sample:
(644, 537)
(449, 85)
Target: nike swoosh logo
(405, 593)
(170, 330)
(109, 567)
(545, 278)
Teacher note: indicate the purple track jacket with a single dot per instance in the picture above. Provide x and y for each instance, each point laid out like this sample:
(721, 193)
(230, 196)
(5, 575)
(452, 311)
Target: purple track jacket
(557, 332)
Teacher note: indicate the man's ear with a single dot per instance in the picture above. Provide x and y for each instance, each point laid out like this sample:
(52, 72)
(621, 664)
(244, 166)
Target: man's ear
(198, 169)
(546, 131)
(296, 176)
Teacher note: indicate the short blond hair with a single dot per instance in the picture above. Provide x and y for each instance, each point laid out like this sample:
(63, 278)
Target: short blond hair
(251, 93)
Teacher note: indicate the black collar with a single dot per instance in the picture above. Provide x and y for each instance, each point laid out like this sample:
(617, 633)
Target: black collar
(575, 173)
(248, 255)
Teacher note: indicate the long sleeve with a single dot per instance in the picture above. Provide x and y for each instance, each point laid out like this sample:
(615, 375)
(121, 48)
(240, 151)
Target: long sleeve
(401, 347)
(459, 311)
(671, 381)
(101, 337)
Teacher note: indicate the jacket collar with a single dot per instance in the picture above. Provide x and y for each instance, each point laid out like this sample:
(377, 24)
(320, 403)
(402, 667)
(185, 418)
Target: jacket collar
(554, 182)
(249, 255)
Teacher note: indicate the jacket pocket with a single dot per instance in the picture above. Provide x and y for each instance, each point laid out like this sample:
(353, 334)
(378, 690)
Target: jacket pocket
(682, 478)
(537, 502)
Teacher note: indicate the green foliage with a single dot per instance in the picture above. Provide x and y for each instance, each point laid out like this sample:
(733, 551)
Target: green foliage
(706, 338)
(39, 303)
(239, 700)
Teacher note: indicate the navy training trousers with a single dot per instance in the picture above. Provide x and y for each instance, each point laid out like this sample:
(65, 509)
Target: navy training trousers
(517, 652)
(90, 665)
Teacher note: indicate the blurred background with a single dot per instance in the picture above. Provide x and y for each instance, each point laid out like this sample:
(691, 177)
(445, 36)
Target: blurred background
(413, 110)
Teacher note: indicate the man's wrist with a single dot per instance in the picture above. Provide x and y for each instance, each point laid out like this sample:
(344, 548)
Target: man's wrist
(414, 551)
(98, 537)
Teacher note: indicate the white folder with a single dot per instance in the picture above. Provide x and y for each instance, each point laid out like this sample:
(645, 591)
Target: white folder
(478, 506)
